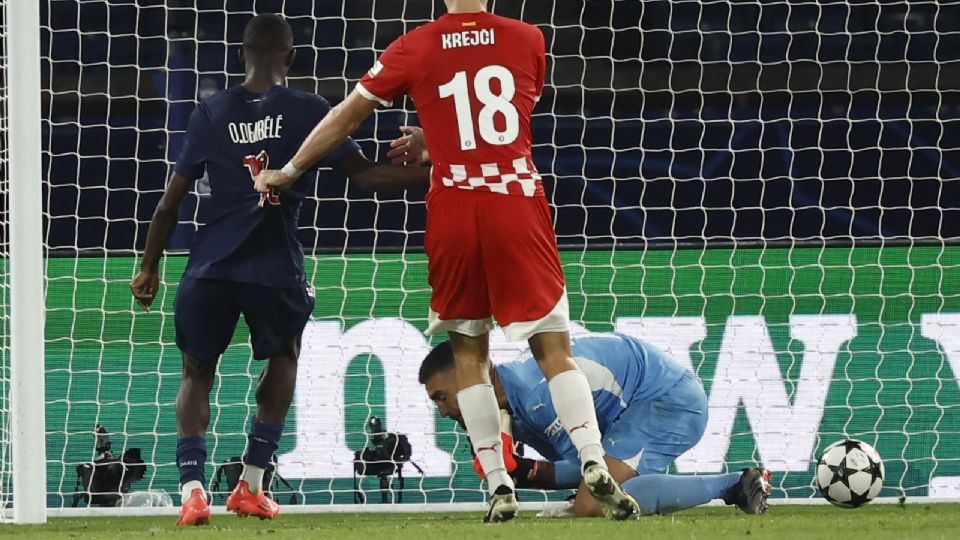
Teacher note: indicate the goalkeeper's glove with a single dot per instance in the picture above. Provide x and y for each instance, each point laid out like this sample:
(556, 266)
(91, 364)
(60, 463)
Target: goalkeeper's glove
(521, 469)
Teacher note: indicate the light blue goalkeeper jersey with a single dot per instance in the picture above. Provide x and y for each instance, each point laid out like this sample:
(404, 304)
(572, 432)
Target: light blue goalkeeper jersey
(620, 369)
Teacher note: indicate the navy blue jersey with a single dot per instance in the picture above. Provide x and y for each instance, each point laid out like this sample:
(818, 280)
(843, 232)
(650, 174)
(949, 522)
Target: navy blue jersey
(233, 135)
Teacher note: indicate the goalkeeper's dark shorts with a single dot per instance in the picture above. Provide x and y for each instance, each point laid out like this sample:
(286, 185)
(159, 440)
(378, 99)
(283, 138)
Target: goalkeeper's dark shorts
(206, 312)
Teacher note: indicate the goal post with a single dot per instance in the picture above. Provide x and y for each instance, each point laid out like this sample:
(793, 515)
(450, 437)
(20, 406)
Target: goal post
(24, 204)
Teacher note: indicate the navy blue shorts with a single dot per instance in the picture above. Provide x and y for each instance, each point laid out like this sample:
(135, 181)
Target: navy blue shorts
(206, 312)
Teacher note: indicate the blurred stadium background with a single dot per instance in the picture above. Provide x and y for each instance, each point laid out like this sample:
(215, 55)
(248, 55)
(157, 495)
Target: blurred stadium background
(787, 120)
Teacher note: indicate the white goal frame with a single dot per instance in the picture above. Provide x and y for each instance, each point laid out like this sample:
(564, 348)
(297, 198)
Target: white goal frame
(27, 418)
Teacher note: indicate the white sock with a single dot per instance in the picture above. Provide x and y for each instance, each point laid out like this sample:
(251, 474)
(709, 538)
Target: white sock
(573, 401)
(253, 475)
(187, 489)
(481, 415)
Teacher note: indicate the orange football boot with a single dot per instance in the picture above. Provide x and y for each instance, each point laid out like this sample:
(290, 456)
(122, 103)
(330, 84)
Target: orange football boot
(195, 510)
(245, 503)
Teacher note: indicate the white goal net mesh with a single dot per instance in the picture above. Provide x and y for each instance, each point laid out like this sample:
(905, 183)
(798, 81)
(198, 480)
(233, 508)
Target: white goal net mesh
(766, 190)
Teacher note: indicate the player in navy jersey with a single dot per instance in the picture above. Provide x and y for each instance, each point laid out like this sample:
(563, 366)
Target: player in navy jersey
(246, 259)
(650, 410)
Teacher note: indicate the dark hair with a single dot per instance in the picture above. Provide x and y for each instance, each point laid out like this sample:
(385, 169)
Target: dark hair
(267, 33)
(439, 359)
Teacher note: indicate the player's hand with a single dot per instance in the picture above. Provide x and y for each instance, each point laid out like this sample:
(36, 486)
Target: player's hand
(272, 179)
(509, 456)
(409, 149)
(144, 287)
(521, 469)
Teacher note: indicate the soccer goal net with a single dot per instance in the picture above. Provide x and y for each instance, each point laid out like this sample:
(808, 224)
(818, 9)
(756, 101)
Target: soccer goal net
(765, 190)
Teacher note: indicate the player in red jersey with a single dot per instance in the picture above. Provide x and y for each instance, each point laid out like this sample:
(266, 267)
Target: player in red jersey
(475, 78)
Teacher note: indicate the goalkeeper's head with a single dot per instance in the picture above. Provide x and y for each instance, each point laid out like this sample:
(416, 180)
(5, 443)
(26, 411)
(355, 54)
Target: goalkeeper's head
(439, 377)
(267, 42)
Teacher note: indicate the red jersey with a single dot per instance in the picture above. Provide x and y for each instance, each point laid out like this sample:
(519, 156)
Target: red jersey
(474, 78)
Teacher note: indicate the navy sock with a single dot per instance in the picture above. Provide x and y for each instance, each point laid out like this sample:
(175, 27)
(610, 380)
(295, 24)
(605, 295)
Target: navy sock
(262, 442)
(191, 458)
(664, 493)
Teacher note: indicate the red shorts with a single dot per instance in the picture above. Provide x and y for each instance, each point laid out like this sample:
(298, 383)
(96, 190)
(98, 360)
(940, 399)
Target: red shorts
(493, 256)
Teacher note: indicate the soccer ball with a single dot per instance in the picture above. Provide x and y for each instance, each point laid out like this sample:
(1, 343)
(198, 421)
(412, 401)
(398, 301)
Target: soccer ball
(849, 473)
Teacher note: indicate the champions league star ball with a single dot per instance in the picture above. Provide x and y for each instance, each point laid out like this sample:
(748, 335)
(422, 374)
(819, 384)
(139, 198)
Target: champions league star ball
(850, 473)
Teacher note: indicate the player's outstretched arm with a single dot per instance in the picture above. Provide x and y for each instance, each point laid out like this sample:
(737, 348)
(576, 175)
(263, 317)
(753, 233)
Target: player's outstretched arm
(145, 284)
(537, 475)
(526, 472)
(330, 133)
(373, 176)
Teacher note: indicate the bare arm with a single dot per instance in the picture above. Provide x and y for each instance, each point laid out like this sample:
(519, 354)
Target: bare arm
(373, 176)
(144, 286)
(335, 127)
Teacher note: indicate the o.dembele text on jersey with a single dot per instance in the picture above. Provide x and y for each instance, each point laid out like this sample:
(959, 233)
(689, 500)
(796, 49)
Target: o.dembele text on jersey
(250, 132)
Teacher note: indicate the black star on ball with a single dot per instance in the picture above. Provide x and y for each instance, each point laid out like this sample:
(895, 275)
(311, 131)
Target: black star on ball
(841, 472)
(875, 472)
(858, 499)
(850, 444)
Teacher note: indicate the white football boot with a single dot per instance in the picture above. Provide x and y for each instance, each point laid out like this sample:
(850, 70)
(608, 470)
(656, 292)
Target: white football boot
(614, 502)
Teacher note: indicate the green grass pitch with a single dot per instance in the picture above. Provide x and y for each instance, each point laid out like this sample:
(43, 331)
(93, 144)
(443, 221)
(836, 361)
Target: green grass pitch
(872, 522)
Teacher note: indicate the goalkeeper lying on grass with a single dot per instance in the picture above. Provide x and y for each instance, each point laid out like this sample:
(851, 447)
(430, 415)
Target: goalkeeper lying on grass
(650, 411)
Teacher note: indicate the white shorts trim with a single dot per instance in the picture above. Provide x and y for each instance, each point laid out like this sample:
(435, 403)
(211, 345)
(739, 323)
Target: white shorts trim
(371, 96)
(558, 320)
(467, 327)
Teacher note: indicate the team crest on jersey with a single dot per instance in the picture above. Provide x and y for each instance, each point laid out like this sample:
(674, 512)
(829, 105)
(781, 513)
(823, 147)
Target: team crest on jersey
(254, 165)
(377, 66)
